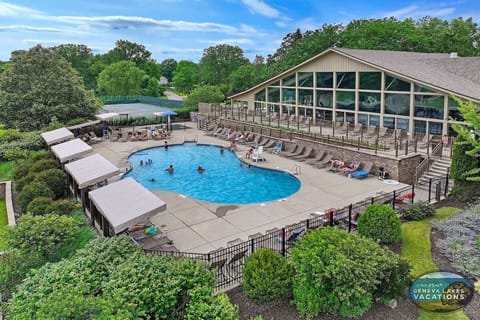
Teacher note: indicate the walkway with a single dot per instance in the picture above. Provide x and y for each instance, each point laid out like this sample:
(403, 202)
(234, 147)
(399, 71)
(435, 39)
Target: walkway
(197, 226)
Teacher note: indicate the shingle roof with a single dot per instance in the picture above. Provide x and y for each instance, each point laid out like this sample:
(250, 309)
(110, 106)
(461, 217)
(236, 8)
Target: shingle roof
(459, 75)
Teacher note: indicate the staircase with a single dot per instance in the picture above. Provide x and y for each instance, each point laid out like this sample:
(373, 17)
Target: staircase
(439, 168)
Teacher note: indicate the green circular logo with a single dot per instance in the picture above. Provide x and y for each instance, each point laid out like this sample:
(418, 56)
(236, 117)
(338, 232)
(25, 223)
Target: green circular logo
(441, 291)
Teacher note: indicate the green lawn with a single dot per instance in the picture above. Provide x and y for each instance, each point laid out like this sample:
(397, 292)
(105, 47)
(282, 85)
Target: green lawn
(6, 169)
(3, 213)
(416, 247)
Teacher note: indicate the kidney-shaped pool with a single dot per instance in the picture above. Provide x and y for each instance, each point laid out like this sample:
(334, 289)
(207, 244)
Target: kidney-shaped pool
(225, 180)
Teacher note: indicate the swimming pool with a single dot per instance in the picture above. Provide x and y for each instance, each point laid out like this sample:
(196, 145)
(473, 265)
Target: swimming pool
(224, 181)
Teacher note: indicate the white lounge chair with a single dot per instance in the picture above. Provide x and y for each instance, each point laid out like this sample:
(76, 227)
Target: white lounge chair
(258, 154)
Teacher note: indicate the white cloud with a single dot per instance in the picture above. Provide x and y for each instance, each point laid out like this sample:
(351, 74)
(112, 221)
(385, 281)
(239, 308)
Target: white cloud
(13, 10)
(401, 12)
(414, 11)
(281, 24)
(247, 29)
(242, 41)
(260, 7)
(19, 28)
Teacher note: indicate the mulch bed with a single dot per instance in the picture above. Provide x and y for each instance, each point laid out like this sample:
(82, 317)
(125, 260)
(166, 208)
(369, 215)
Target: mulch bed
(405, 310)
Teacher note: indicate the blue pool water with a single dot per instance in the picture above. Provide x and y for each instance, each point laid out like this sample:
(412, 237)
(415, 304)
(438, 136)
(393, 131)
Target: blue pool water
(224, 180)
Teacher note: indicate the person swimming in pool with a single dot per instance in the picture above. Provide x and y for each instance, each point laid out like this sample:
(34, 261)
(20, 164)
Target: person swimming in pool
(170, 169)
(200, 169)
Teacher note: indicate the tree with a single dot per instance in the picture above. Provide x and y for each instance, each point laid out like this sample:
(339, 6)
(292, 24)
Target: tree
(219, 62)
(207, 94)
(289, 42)
(123, 78)
(151, 87)
(41, 85)
(186, 76)
(167, 68)
(80, 57)
(242, 79)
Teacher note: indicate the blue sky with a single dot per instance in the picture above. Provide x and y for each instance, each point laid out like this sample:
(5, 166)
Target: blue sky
(181, 29)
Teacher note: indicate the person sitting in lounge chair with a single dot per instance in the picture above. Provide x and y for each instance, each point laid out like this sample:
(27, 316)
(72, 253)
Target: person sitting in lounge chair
(335, 165)
(351, 167)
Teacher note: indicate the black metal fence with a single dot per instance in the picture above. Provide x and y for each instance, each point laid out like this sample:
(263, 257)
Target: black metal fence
(228, 262)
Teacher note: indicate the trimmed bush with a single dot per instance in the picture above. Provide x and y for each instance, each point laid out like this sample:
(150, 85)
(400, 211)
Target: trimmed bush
(55, 179)
(32, 191)
(43, 165)
(23, 181)
(417, 211)
(380, 223)
(267, 276)
(340, 273)
(39, 205)
(61, 207)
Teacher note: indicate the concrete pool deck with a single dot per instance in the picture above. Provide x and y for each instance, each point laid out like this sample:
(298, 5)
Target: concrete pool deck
(198, 226)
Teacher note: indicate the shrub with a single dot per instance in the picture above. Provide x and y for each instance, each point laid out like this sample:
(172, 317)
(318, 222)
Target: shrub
(61, 207)
(9, 135)
(417, 211)
(267, 276)
(23, 181)
(380, 223)
(55, 179)
(42, 165)
(39, 205)
(205, 306)
(339, 272)
(31, 191)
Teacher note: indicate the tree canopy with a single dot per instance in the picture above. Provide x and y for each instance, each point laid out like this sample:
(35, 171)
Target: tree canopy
(219, 62)
(123, 78)
(186, 76)
(167, 68)
(40, 85)
(207, 94)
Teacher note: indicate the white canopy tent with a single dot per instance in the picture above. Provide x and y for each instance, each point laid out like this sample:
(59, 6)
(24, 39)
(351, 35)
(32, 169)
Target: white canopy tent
(91, 170)
(57, 136)
(71, 150)
(107, 116)
(125, 203)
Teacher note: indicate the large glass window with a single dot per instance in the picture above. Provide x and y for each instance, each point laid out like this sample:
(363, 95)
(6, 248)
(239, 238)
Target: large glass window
(325, 98)
(370, 80)
(346, 100)
(363, 118)
(275, 84)
(346, 80)
(369, 102)
(420, 126)
(324, 79)
(419, 88)
(288, 96)
(305, 97)
(289, 81)
(273, 94)
(389, 122)
(374, 121)
(403, 124)
(260, 96)
(427, 106)
(453, 110)
(435, 128)
(394, 84)
(397, 104)
(305, 79)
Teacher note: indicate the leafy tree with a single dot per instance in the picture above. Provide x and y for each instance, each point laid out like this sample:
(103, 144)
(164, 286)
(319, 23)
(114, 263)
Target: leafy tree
(80, 57)
(243, 78)
(219, 62)
(39, 205)
(151, 87)
(121, 79)
(290, 41)
(40, 85)
(207, 94)
(167, 68)
(186, 76)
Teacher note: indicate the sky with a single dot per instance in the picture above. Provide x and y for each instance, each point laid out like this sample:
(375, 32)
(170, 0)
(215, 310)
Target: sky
(182, 29)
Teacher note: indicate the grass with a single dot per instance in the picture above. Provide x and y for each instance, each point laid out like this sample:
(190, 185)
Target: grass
(417, 248)
(3, 213)
(6, 170)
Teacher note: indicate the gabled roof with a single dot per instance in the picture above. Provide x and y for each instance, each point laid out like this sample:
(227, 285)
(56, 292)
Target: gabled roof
(459, 76)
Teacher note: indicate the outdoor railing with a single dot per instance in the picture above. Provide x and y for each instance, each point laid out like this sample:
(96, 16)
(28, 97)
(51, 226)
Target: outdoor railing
(143, 99)
(228, 262)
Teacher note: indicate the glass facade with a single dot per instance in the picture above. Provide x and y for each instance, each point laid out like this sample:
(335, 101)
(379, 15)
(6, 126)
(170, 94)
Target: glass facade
(370, 80)
(369, 102)
(324, 80)
(305, 79)
(345, 80)
(392, 102)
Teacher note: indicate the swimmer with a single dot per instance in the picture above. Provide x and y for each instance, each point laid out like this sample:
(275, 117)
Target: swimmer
(153, 180)
(200, 169)
(170, 169)
(222, 149)
(141, 163)
(166, 145)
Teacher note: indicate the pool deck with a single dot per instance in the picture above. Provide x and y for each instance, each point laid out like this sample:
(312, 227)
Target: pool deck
(198, 226)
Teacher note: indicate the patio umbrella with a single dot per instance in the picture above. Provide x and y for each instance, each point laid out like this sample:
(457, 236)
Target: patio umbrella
(166, 113)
